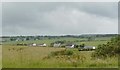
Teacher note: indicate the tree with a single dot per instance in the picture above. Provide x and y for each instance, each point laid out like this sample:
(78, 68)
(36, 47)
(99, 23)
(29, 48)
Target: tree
(112, 48)
(82, 45)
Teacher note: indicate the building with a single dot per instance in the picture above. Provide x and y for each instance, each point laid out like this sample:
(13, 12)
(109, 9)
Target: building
(56, 44)
(39, 45)
(70, 46)
(42, 45)
(87, 48)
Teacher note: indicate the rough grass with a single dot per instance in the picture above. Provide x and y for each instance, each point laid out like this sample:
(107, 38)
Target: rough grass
(0, 56)
(39, 57)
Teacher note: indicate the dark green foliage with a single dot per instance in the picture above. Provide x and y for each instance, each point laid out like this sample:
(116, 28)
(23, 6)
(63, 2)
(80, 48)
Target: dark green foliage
(63, 46)
(112, 48)
(82, 45)
(76, 46)
(62, 42)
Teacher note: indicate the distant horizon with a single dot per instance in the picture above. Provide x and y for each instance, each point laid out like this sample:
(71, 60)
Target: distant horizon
(61, 35)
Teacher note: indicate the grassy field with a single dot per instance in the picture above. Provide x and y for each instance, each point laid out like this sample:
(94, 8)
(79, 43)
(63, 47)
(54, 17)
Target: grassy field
(42, 57)
(0, 56)
(39, 57)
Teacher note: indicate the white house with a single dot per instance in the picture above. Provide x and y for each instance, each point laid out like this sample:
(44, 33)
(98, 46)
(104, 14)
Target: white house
(93, 47)
(42, 45)
(87, 48)
(70, 46)
(34, 44)
(56, 44)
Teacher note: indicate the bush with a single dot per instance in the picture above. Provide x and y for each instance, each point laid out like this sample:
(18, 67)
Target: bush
(110, 49)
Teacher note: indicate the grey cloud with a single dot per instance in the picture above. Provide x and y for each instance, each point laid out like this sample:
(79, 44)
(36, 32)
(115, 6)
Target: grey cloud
(108, 9)
(119, 18)
(0, 11)
(59, 18)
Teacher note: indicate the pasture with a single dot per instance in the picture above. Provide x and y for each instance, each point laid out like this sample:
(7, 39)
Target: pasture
(48, 57)
(40, 57)
(0, 56)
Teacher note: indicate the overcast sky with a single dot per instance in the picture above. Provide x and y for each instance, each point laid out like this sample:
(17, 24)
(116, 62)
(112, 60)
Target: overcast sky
(59, 18)
(0, 19)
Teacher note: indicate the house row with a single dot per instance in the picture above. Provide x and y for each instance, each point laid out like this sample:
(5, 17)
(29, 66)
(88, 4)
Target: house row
(87, 48)
(65, 45)
(32, 44)
(74, 46)
(60, 45)
(54, 45)
(41, 45)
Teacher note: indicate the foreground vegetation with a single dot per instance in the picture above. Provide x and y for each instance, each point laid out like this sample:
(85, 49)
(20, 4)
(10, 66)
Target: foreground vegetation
(0, 56)
(46, 57)
(105, 56)
(111, 48)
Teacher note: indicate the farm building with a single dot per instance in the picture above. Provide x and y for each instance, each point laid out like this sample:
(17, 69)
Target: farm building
(70, 46)
(42, 45)
(56, 44)
(87, 48)
(33, 44)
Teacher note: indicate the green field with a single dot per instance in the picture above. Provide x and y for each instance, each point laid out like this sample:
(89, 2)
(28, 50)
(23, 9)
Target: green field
(0, 56)
(41, 57)
(38, 57)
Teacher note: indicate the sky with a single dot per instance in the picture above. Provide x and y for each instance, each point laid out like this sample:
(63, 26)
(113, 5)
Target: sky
(0, 18)
(59, 18)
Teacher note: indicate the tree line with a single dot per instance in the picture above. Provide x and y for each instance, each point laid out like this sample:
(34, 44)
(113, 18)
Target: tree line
(88, 36)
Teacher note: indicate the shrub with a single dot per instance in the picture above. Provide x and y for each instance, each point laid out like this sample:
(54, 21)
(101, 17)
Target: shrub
(112, 48)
